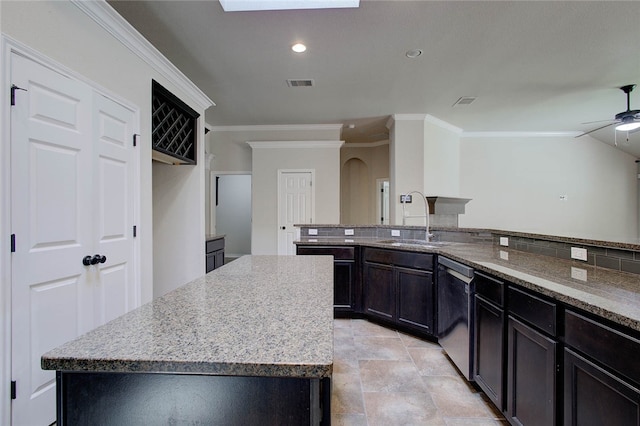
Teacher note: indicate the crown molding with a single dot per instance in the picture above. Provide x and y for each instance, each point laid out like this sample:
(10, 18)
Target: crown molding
(294, 144)
(366, 145)
(442, 124)
(275, 127)
(107, 17)
(519, 134)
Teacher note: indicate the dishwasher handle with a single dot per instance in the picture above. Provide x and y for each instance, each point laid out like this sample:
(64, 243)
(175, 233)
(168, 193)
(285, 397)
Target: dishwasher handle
(459, 276)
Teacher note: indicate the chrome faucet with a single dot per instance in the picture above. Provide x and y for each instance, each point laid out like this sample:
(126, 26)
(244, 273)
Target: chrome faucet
(426, 212)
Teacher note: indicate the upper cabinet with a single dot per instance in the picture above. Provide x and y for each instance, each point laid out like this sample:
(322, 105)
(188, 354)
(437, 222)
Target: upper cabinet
(174, 133)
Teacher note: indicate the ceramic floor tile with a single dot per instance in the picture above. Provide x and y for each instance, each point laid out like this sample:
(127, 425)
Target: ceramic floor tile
(366, 328)
(432, 362)
(390, 376)
(401, 408)
(348, 420)
(382, 377)
(346, 394)
(389, 348)
(455, 398)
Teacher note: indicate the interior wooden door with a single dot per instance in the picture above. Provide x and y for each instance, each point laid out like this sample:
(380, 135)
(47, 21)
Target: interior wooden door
(51, 202)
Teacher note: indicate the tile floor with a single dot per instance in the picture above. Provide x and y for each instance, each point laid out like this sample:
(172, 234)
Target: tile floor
(384, 377)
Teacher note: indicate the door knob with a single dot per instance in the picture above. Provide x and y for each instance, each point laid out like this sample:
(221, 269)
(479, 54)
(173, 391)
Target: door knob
(98, 259)
(86, 261)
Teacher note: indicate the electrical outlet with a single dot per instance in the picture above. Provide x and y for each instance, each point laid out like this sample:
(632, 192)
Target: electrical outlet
(579, 253)
(313, 232)
(348, 232)
(504, 241)
(578, 273)
(563, 197)
(504, 255)
(348, 241)
(313, 240)
(395, 232)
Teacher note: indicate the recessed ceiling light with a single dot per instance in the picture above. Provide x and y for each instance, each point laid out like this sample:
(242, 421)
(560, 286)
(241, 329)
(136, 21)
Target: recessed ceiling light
(413, 53)
(299, 48)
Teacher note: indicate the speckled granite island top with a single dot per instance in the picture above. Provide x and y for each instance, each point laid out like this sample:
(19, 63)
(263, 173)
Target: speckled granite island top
(257, 316)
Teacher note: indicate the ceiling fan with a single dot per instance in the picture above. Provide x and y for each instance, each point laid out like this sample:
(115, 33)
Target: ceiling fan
(625, 121)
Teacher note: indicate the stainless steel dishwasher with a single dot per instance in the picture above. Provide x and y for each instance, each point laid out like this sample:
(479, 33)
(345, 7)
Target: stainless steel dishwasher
(455, 313)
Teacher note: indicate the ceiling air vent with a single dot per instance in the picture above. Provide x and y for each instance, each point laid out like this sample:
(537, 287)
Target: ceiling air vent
(300, 83)
(465, 100)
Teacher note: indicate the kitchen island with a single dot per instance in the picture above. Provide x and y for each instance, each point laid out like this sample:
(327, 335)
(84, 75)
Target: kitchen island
(249, 343)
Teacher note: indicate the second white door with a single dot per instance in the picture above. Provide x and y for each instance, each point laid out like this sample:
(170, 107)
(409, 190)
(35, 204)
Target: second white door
(295, 206)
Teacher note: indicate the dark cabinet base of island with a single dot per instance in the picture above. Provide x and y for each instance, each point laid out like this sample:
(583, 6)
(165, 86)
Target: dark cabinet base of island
(160, 398)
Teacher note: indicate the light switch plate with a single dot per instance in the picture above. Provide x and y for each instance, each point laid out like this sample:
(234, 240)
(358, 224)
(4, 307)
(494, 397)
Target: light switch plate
(395, 232)
(313, 232)
(504, 241)
(578, 253)
(348, 232)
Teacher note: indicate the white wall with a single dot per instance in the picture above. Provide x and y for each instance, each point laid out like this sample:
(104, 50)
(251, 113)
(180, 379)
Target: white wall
(407, 167)
(441, 158)
(266, 163)
(515, 184)
(233, 155)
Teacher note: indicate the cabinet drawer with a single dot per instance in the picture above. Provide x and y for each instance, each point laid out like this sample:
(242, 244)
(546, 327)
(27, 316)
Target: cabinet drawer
(338, 253)
(214, 245)
(400, 258)
(490, 288)
(538, 312)
(610, 347)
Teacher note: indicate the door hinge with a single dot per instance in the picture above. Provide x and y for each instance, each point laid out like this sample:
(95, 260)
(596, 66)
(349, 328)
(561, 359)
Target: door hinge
(135, 139)
(135, 231)
(13, 93)
(13, 389)
(13, 243)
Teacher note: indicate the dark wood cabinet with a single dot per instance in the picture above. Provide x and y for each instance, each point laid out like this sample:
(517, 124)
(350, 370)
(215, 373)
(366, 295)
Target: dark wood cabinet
(214, 253)
(415, 298)
(380, 291)
(531, 375)
(488, 371)
(346, 277)
(601, 373)
(532, 354)
(399, 289)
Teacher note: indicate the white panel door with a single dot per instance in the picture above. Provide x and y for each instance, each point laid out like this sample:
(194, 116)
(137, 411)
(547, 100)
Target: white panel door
(51, 154)
(295, 206)
(113, 215)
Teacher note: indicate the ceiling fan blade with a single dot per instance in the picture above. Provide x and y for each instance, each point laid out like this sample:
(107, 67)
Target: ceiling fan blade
(597, 128)
(599, 121)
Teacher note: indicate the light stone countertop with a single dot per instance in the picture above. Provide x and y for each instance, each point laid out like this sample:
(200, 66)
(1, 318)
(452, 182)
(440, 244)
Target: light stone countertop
(612, 295)
(256, 316)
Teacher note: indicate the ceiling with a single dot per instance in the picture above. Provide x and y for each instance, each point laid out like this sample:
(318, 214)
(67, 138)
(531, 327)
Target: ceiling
(534, 66)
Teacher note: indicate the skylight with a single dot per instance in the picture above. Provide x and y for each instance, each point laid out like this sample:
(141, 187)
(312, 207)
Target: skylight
(246, 5)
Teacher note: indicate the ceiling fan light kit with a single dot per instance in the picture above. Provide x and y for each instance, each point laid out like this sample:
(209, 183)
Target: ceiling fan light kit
(625, 121)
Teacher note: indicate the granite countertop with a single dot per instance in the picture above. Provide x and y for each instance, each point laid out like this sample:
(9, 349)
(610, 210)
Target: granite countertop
(211, 237)
(257, 316)
(609, 294)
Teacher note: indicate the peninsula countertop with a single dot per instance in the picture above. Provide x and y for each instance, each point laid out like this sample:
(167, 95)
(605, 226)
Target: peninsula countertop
(612, 295)
(257, 316)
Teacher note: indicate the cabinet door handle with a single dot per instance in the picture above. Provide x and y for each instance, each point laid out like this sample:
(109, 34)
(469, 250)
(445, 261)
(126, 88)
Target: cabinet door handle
(283, 227)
